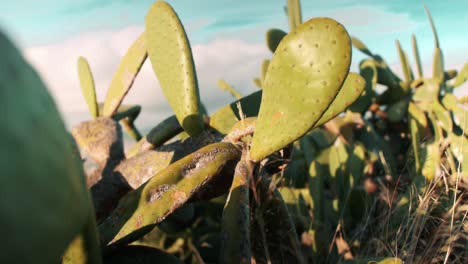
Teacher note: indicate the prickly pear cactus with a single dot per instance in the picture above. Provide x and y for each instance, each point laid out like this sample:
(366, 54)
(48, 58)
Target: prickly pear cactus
(171, 57)
(87, 86)
(306, 73)
(43, 169)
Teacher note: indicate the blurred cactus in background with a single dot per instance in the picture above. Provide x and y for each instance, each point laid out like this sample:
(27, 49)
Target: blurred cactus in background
(318, 166)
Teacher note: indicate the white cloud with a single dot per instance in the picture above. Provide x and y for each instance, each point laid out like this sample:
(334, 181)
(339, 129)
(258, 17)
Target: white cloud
(236, 61)
(372, 19)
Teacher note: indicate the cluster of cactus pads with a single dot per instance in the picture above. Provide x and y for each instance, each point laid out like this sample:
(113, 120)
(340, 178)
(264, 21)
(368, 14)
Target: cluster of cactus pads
(278, 176)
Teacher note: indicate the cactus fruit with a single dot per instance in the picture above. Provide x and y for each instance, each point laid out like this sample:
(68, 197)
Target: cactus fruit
(171, 57)
(53, 204)
(87, 86)
(125, 75)
(305, 75)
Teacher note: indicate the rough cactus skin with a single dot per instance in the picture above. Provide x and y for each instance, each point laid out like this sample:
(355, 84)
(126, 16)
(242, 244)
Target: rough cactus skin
(43, 169)
(166, 191)
(101, 139)
(87, 86)
(305, 75)
(171, 57)
(125, 75)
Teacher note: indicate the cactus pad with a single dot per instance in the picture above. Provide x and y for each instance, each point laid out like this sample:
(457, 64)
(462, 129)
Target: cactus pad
(352, 89)
(305, 74)
(171, 57)
(87, 86)
(125, 75)
(43, 196)
(273, 38)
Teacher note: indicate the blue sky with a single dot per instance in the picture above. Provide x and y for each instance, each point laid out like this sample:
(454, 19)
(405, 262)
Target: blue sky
(49, 28)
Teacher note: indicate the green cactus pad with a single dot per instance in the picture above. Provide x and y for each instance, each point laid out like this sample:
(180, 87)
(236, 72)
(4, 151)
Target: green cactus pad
(272, 228)
(265, 65)
(304, 76)
(404, 63)
(352, 89)
(438, 62)
(274, 37)
(228, 88)
(87, 86)
(166, 191)
(171, 57)
(443, 116)
(430, 159)
(43, 196)
(161, 133)
(368, 70)
(235, 244)
(450, 74)
(462, 76)
(294, 14)
(257, 82)
(125, 75)
(358, 44)
(397, 111)
(226, 117)
(417, 58)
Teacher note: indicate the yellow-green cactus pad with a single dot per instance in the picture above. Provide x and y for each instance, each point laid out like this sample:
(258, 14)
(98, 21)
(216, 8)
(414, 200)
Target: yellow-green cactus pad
(228, 88)
(438, 62)
(404, 63)
(294, 13)
(462, 76)
(226, 117)
(368, 70)
(43, 197)
(358, 44)
(417, 58)
(87, 86)
(166, 191)
(125, 75)
(265, 65)
(171, 57)
(352, 88)
(305, 74)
